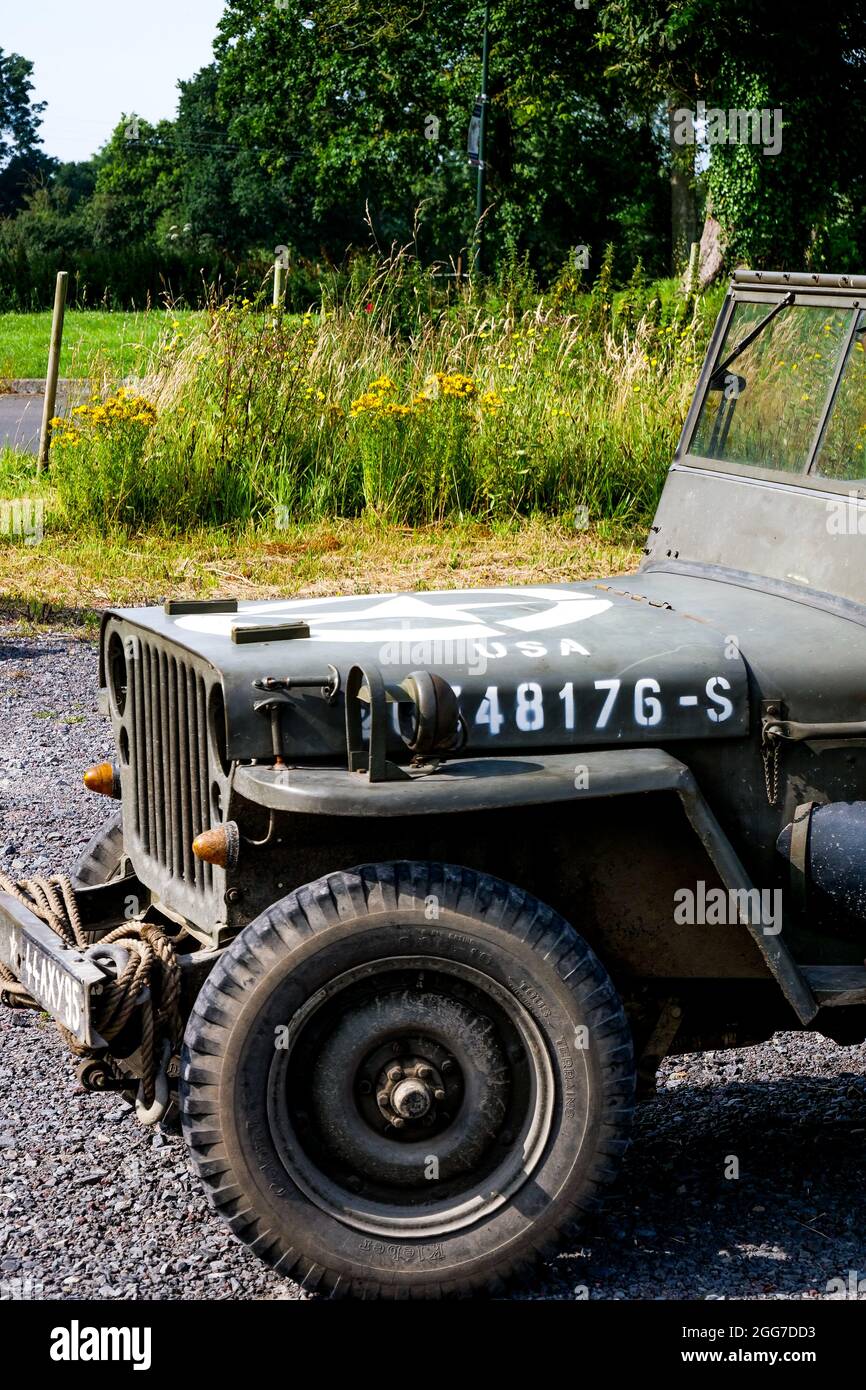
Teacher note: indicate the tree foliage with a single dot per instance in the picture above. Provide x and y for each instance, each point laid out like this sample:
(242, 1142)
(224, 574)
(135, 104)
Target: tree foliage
(22, 163)
(319, 126)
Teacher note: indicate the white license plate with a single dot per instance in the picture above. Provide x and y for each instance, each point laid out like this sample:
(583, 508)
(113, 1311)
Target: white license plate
(58, 978)
(59, 992)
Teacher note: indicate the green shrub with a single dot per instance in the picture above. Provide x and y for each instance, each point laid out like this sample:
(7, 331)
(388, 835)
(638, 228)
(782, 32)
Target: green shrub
(381, 403)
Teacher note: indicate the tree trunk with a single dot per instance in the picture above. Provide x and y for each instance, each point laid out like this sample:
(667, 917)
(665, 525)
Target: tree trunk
(712, 255)
(683, 202)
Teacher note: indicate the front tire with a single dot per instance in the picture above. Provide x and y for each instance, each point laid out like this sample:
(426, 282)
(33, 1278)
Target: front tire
(406, 1079)
(101, 859)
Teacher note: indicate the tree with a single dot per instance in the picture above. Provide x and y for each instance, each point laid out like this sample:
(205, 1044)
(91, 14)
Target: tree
(784, 209)
(138, 187)
(742, 56)
(210, 167)
(352, 109)
(22, 163)
(670, 52)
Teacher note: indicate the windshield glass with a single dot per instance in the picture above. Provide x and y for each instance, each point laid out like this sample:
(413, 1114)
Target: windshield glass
(765, 406)
(843, 449)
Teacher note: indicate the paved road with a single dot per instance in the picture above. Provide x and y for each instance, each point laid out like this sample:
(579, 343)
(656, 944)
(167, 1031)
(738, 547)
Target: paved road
(20, 419)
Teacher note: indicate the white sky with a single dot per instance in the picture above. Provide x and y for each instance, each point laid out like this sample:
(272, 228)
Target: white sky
(94, 59)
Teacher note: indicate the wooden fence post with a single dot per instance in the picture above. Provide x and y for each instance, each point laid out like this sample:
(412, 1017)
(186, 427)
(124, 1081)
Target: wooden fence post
(53, 369)
(280, 273)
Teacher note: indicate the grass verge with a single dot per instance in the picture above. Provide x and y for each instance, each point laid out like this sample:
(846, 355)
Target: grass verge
(96, 342)
(69, 579)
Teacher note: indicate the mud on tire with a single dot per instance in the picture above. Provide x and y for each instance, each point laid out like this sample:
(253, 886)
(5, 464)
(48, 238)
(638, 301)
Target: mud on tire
(406, 1079)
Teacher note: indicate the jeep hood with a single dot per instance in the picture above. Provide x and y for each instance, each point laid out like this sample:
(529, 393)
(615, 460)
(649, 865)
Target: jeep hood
(547, 667)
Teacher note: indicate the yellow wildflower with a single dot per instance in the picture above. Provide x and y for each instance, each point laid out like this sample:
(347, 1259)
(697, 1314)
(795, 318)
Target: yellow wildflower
(456, 384)
(369, 400)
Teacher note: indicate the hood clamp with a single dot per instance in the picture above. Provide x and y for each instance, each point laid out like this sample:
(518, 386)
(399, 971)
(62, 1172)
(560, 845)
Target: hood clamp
(278, 690)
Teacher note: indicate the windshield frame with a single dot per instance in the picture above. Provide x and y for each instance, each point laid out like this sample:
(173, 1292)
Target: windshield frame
(776, 290)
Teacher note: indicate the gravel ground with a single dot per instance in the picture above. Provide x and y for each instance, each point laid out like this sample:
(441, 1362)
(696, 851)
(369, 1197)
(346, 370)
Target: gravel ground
(92, 1206)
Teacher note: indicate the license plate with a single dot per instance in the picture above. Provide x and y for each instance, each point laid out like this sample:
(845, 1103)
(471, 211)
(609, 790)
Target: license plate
(59, 978)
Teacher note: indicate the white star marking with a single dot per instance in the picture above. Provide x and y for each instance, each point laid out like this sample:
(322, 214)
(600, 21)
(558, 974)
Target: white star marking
(400, 615)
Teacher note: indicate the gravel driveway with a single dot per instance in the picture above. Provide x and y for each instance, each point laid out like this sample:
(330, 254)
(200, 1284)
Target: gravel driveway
(92, 1206)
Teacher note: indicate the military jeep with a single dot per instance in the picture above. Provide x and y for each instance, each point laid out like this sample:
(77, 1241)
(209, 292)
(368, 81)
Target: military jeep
(409, 895)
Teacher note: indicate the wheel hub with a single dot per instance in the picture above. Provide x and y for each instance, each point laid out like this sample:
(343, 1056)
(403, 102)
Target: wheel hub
(411, 1099)
(408, 1090)
(427, 1076)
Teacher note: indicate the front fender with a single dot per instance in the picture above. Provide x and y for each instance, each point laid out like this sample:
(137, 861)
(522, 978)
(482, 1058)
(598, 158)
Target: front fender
(463, 784)
(477, 784)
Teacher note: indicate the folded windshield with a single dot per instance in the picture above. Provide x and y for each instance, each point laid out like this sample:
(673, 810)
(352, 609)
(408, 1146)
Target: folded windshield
(766, 401)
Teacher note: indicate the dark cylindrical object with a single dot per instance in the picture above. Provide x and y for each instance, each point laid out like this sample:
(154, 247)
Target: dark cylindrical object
(829, 853)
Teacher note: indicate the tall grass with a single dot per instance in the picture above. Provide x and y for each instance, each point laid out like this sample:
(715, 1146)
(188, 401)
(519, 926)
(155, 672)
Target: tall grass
(389, 402)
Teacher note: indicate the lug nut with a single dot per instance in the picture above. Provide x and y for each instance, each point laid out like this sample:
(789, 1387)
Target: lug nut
(439, 1094)
(395, 1073)
(397, 1122)
(424, 1073)
(383, 1097)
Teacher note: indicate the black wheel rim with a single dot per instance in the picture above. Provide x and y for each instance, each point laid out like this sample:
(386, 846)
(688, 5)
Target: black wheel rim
(413, 1095)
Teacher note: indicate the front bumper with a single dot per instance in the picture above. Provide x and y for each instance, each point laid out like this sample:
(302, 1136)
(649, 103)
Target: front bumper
(57, 976)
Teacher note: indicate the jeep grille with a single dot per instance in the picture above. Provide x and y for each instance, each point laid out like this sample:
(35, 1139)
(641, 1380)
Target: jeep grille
(169, 757)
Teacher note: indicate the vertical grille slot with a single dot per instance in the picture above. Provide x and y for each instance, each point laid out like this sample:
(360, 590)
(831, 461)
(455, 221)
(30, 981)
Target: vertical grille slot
(170, 765)
(166, 804)
(201, 731)
(139, 724)
(198, 820)
(175, 770)
(186, 836)
(154, 738)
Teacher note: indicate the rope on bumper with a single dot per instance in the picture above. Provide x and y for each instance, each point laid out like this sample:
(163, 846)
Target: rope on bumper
(152, 967)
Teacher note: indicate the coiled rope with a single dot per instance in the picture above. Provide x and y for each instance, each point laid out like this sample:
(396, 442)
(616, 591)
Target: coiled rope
(152, 967)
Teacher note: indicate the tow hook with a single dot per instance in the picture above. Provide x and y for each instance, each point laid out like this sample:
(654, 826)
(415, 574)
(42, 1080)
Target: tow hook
(112, 959)
(151, 1115)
